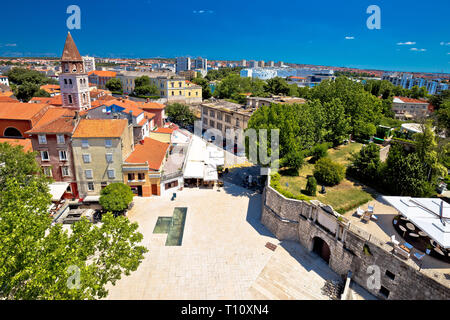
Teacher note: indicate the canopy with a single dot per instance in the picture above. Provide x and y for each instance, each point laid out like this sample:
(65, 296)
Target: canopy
(91, 199)
(194, 170)
(57, 190)
(431, 215)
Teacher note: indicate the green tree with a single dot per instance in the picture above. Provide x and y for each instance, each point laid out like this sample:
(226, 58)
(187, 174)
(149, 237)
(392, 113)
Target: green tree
(114, 85)
(206, 89)
(116, 197)
(328, 172)
(365, 165)
(278, 86)
(180, 114)
(37, 259)
(404, 174)
(142, 81)
(311, 186)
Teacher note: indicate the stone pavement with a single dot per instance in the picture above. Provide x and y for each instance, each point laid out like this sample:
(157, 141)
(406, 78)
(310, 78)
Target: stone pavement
(223, 253)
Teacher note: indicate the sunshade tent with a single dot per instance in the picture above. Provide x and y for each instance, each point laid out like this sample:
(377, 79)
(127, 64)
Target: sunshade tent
(57, 190)
(431, 215)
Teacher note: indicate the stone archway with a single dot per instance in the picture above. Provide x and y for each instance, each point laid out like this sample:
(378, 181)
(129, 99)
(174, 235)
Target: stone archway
(322, 249)
(12, 132)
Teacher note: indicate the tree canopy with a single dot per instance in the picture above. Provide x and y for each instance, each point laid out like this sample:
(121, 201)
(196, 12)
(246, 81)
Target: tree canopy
(114, 85)
(42, 261)
(27, 83)
(180, 114)
(116, 197)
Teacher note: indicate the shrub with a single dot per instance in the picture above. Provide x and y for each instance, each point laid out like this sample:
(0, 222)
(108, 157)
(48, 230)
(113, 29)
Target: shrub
(328, 172)
(320, 151)
(311, 186)
(116, 197)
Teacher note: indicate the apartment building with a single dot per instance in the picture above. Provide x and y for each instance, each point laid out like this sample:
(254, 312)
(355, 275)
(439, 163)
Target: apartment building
(407, 81)
(142, 169)
(177, 89)
(51, 138)
(408, 108)
(4, 80)
(128, 77)
(100, 78)
(99, 149)
(223, 115)
(141, 120)
(89, 63)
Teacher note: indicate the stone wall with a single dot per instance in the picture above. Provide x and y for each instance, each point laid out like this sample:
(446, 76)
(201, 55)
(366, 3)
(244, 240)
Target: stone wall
(350, 249)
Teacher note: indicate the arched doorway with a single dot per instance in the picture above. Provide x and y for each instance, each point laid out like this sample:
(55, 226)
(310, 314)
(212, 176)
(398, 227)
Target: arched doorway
(322, 249)
(12, 132)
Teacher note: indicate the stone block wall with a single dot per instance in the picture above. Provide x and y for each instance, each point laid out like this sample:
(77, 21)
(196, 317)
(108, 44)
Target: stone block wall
(290, 219)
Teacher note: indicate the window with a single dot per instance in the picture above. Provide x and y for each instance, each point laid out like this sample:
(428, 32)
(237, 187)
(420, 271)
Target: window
(86, 158)
(45, 156)
(111, 174)
(108, 143)
(65, 171)
(219, 126)
(90, 186)
(84, 143)
(211, 113)
(211, 123)
(48, 171)
(88, 173)
(60, 139)
(62, 155)
(384, 292)
(130, 176)
(179, 92)
(69, 189)
(228, 118)
(109, 157)
(141, 176)
(179, 84)
(65, 81)
(390, 275)
(205, 121)
(42, 139)
(205, 111)
(70, 98)
(237, 123)
(219, 115)
(70, 81)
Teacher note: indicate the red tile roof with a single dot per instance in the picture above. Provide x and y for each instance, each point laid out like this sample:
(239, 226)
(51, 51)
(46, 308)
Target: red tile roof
(7, 99)
(107, 74)
(20, 110)
(151, 151)
(410, 100)
(70, 52)
(54, 101)
(25, 143)
(151, 105)
(100, 128)
(55, 120)
(164, 130)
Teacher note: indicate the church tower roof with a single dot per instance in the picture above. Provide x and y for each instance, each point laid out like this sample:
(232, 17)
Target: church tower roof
(70, 52)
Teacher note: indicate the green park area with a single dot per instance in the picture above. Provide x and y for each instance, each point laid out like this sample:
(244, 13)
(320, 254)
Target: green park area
(344, 196)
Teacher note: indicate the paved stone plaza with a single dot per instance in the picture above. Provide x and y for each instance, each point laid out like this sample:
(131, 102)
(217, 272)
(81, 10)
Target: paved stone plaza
(223, 253)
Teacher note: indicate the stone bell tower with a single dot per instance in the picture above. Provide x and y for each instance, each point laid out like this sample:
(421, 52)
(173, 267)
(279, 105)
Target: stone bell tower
(73, 79)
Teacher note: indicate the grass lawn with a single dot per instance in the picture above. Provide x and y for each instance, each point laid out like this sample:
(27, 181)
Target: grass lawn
(342, 197)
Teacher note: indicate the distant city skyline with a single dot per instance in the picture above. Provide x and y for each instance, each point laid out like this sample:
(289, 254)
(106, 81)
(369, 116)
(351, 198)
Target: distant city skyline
(413, 37)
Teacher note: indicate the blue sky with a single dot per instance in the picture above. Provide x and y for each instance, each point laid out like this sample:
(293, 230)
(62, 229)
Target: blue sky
(414, 34)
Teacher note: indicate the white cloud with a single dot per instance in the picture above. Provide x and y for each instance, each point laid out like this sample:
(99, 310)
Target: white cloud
(349, 38)
(202, 11)
(420, 50)
(407, 43)
(445, 43)
(11, 45)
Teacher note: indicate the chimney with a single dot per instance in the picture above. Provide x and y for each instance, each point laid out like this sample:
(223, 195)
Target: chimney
(130, 117)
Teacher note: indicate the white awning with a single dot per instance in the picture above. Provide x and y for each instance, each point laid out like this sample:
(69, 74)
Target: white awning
(194, 170)
(210, 173)
(431, 215)
(91, 199)
(57, 190)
